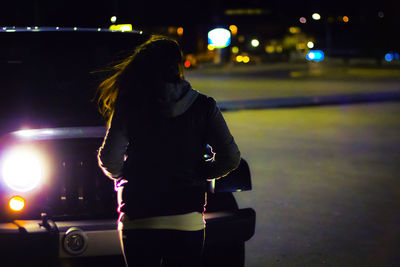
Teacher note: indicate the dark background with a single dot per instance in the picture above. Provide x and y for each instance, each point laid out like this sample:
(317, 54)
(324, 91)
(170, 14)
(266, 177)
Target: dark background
(365, 28)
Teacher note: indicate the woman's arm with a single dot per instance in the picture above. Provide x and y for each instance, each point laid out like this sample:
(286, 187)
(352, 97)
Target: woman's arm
(227, 154)
(111, 155)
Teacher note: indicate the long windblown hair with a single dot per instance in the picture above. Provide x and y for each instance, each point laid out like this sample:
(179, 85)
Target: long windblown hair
(159, 59)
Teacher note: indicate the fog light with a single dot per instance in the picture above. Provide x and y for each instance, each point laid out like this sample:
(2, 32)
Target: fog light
(16, 203)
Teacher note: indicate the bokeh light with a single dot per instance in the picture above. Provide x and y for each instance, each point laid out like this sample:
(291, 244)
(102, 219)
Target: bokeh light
(315, 55)
(239, 58)
(255, 43)
(303, 20)
(233, 29)
(121, 27)
(187, 64)
(113, 19)
(179, 31)
(316, 16)
(345, 18)
(301, 46)
(235, 49)
(270, 49)
(294, 30)
(310, 45)
(389, 57)
(219, 37)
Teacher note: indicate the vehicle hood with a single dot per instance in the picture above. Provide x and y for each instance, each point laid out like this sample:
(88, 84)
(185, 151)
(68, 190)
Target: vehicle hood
(54, 133)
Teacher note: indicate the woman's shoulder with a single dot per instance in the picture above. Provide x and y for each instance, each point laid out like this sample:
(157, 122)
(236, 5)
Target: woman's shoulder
(205, 100)
(204, 105)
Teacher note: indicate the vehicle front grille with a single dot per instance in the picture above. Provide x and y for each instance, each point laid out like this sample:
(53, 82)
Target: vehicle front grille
(77, 187)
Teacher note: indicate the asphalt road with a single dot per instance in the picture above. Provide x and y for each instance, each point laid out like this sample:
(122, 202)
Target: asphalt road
(293, 80)
(326, 184)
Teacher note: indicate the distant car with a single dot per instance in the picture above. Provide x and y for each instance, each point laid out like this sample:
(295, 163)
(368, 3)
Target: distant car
(57, 208)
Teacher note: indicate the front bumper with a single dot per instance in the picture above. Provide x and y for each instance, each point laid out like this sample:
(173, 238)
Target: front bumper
(29, 241)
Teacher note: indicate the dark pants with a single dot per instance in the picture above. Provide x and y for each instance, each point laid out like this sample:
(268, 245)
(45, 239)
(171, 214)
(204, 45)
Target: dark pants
(161, 247)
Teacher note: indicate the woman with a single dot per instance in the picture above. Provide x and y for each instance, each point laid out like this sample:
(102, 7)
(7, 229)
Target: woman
(158, 129)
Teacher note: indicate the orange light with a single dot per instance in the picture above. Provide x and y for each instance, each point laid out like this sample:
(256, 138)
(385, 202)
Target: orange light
(179, 31)
(187, 64)
(233, 29)
(16, 203)
(345, 18)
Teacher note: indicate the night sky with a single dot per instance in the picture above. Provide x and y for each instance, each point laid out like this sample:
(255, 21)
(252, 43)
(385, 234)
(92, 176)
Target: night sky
(198, 17)
(97, 13)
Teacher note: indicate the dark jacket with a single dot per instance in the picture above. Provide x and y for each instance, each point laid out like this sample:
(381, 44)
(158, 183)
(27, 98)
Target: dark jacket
(165, 144)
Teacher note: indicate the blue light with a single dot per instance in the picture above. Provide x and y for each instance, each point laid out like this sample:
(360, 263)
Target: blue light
(396, 56)
(315, 55)
(389, 57)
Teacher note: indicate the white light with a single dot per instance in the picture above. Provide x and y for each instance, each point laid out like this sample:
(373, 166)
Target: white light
(98, 29)
(57, 28)
(316, 16)
(25, 133)
(255, 43)
(310, 45)
(113, 19)
(22, 169)
(219, 37)
(75, 28)
(126, 28)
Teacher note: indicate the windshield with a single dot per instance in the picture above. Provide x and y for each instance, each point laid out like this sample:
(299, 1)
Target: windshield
(47, 78)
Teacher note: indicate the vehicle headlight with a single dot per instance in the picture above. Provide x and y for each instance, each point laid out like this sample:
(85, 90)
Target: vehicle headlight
(22, 169)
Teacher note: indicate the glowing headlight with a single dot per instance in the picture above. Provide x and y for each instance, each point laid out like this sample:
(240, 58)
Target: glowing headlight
(22, 169)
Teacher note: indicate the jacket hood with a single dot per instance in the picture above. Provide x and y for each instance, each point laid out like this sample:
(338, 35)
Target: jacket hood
(174, 99)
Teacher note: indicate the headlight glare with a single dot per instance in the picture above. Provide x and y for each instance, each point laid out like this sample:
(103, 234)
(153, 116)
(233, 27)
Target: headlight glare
(22, 169)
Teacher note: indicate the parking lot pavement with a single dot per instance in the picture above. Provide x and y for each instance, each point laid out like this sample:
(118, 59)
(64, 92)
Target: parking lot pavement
(282, 81)
(325, 184)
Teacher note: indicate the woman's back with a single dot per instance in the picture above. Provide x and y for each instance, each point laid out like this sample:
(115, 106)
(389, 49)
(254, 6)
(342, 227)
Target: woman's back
(159, 128)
